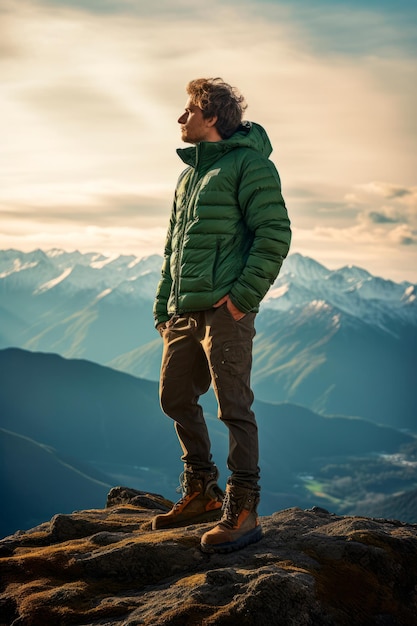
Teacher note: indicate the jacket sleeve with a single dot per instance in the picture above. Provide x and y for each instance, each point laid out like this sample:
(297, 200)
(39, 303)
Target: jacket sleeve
(165, 283)
(266, 217)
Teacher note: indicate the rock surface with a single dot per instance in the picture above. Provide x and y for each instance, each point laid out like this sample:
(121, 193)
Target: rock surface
(107, 567)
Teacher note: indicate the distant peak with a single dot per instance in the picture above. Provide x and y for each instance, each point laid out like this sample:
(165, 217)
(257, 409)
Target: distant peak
(54, 252)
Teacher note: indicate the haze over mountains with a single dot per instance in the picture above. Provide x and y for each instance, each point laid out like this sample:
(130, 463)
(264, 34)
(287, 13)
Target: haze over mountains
(329, 343)
(71, 429)
(339, 341)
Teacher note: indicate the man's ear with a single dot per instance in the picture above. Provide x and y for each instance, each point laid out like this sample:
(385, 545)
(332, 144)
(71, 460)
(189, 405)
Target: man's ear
(211, 121)
(212, 132)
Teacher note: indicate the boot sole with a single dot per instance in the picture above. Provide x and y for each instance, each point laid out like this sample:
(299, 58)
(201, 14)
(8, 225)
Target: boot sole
(210, 516)
(251, 536)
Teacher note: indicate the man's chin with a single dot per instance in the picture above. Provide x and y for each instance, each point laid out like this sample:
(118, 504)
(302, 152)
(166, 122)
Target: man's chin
(186, 138)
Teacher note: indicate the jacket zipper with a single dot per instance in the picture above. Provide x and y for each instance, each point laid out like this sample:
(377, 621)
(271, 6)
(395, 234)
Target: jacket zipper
(188, 197)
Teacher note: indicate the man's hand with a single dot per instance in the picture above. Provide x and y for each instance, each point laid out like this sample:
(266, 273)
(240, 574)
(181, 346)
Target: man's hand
(233, 310)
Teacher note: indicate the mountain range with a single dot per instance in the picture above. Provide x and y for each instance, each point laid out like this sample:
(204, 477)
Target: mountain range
(70, 429)
(336, 341)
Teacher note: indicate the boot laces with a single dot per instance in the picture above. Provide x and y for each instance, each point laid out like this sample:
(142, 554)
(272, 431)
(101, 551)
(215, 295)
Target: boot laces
(208, 479)
(184, 488)
(235, 500)
(232, 506)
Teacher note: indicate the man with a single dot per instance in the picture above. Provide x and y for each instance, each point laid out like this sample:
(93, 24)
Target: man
(228, 235)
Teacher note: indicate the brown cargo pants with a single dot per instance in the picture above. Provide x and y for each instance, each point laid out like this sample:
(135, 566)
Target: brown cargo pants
(211, 347)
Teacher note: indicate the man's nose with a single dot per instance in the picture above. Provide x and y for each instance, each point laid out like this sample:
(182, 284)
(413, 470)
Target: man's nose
(182, 119)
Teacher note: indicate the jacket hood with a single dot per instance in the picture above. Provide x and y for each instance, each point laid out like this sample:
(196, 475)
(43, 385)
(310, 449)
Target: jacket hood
(248, 135)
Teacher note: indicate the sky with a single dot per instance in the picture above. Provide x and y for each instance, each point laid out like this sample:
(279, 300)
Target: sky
(91, 91)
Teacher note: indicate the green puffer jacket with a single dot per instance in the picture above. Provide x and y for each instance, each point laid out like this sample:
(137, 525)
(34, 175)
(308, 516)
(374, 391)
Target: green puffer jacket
(229, 230)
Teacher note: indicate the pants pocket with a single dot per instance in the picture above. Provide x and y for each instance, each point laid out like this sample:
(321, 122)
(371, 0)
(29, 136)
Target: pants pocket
(236, 357)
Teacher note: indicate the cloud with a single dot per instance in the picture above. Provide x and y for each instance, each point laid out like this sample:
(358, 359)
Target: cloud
(403, 235)
(383, 202)
(382, 218)
(92, 92)
(101, 84)
(390, 254)
(386, 190)
(101, 201)
(361, 234)
(396, 219)
(380, 233)
(325, 26)
(138, 241)
(126, 7)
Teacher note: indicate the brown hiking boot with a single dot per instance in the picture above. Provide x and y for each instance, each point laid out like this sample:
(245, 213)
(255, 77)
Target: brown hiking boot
(239, 525)
(201, 501)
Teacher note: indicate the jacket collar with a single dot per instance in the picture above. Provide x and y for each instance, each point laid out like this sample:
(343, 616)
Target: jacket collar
(204, 154)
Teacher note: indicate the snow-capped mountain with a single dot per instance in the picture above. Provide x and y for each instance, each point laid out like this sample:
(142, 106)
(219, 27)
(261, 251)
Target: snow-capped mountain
(302, 281)
(40, 271)
(77, 305)
(351, 290)
(334, 340)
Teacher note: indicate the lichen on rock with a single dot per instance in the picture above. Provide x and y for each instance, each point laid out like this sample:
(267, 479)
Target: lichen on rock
(107, 567)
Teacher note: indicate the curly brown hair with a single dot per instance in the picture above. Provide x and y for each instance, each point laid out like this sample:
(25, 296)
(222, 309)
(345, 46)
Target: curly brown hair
(217, 98)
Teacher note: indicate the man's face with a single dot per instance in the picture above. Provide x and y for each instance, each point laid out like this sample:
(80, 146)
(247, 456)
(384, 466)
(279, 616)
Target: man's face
(194, 128)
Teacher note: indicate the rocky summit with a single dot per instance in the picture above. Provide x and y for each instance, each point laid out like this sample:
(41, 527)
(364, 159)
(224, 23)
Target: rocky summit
(106, 566)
